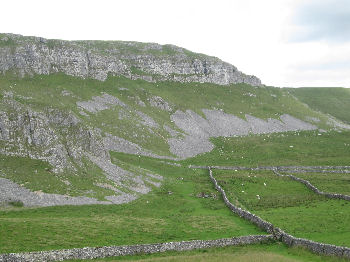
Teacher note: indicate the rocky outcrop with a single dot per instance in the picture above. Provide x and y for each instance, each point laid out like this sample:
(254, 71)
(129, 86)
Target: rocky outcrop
(40, 135)
(98, 59)
(61, 138)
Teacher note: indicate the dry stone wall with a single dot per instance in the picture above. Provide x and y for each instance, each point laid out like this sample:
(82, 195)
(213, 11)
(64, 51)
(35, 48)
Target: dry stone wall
(112, 251)
(279, 234)
(313, 188)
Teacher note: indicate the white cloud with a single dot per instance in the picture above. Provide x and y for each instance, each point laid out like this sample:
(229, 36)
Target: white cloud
(326, 20)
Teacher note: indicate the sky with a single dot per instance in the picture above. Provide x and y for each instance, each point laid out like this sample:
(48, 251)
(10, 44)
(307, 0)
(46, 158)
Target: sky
(286, 43)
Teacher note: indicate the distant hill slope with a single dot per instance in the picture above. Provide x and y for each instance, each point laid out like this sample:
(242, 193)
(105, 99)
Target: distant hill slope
(334, 101)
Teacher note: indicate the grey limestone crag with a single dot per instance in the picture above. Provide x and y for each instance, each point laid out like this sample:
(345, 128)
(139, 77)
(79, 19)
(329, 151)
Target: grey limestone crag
(98, 59)
(39, 135)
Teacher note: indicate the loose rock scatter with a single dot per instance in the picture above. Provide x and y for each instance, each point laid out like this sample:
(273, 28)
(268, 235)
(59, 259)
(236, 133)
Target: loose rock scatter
(216, 123)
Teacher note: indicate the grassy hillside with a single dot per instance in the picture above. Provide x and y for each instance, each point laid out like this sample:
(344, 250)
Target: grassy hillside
(290, 148)
(333, 101)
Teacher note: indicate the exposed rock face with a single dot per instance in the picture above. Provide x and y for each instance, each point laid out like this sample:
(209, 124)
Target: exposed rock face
(39, 135)
(97, 59)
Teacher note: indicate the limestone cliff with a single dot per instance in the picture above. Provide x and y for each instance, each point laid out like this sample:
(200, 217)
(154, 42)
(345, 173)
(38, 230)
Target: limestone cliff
(98, 59)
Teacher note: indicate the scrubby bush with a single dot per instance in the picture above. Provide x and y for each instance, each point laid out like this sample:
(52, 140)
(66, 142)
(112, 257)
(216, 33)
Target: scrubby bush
(16, 203)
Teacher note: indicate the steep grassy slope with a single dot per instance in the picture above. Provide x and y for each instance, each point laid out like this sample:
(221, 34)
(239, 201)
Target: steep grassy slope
(333, 101)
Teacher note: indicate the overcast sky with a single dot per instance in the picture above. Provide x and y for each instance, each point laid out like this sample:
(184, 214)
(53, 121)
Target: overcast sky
(283, 42)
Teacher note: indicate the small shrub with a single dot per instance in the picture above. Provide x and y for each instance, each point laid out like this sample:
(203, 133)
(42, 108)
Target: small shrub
(16, 203)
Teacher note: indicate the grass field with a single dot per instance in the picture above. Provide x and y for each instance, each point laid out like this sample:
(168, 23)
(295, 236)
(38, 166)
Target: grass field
(289, 205)
(261, 190)
(273, 252)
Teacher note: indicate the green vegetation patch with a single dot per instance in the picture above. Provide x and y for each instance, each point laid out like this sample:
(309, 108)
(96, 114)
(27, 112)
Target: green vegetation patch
(333, 101)
(16, 203)
(31, 173)
(6, 41)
